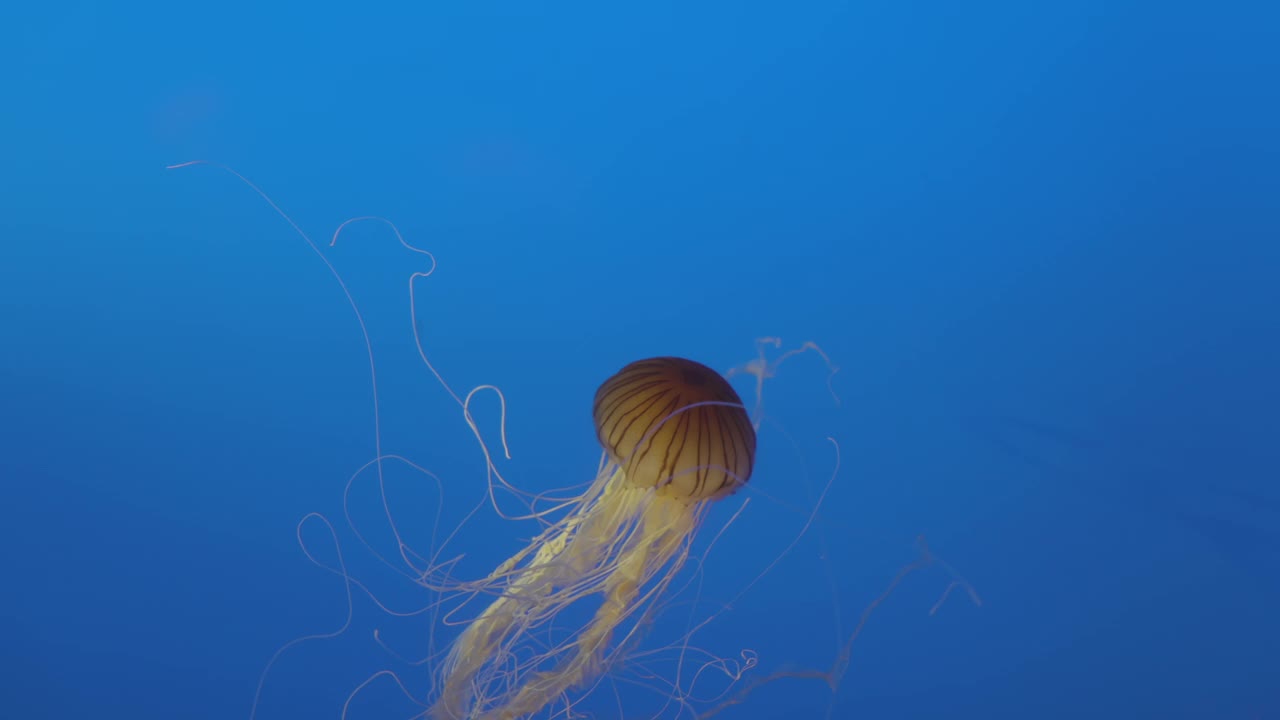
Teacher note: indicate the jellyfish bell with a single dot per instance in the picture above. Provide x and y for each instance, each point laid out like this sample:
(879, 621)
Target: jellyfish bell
(675, 425)
(677, 437)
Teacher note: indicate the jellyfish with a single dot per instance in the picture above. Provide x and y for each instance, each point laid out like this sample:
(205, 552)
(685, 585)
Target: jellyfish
(676, 437)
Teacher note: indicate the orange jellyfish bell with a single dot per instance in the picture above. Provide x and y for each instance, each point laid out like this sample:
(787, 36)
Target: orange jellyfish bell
(676, 425)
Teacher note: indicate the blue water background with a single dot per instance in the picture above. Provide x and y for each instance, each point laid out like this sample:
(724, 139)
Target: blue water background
(1040, 240)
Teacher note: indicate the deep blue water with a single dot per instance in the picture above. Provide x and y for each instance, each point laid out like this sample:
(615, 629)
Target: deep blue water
(1041, 242)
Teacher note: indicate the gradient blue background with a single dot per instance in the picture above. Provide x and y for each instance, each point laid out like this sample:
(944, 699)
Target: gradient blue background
(1041, 241)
